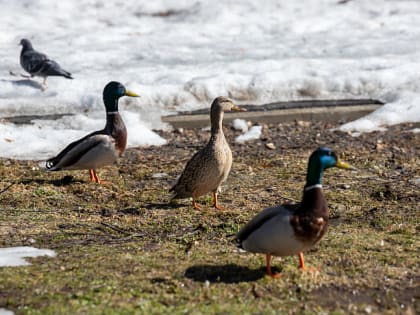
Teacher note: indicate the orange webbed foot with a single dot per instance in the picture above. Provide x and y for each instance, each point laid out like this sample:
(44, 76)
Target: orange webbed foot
(269, 272)
(216, 203)
(195, 205)
(218, 207)
(95, 178)
(302, 264)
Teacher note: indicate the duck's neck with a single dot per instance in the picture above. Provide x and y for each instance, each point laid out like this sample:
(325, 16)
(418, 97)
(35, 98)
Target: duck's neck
(115, 127)
(314, 174)
(313, 199)
(216, 120)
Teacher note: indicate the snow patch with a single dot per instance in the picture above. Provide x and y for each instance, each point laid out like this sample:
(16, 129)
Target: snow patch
(399, 111)
(46, 138)
(251, 134)
(14, 256)
(181, 55)
(240, 124)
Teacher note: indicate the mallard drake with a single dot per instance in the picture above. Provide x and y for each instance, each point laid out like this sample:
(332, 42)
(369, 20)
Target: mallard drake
(210, 166)
(98, 148)
(38, 64)
(287, 230)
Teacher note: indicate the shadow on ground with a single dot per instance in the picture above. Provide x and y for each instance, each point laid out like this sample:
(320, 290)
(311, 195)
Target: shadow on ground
(66, 180)
(229, 273)
(26, 82)
(164, 206)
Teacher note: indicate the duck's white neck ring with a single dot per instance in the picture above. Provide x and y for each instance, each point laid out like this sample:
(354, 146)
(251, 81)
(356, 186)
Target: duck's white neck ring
(313, 186)
(112, 113)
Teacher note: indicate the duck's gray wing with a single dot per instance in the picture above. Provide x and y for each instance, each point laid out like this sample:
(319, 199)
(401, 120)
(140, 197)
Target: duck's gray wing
(73, 152)
(259, 220)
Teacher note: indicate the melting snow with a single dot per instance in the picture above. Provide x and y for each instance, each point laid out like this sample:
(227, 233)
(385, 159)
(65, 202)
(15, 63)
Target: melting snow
(240, 124)
(251, 134)
(14, 256)
(179, 55)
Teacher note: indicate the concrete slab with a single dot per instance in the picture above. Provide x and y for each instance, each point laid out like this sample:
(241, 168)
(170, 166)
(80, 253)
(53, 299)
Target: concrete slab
(324, 110)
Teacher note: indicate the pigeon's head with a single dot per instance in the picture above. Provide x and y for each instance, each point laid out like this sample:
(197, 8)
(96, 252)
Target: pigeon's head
(26, 44)
(112, 92)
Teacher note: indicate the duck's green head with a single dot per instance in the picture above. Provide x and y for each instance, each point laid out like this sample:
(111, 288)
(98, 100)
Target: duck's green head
(320, 160)
(112, 92)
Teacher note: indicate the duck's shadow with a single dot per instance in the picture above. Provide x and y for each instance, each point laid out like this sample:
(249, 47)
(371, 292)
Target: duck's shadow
(25, 82)
(229, 273)
(65, 181)
(163, 205)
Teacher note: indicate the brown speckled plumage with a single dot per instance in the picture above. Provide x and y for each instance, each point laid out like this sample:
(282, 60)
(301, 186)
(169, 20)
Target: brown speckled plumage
(210, 166)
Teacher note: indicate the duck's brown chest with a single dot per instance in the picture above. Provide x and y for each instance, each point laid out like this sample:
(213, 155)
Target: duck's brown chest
(309, 228)
(118, 132)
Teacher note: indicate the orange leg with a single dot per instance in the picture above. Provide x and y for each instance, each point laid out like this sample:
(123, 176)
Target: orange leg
(269, 271)
(92, 176)
(301, 261)
(195, 205)
(302, 264)
(95, 178)
(215, 202)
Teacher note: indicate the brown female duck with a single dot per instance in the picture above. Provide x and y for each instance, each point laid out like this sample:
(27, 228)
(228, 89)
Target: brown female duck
(210, 166)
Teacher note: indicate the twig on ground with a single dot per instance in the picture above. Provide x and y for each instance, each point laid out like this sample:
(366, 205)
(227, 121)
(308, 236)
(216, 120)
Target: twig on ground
(115, 228)
(7, 188)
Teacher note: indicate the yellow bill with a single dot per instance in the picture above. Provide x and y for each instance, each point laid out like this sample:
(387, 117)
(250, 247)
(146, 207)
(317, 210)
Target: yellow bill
(344, 165)
(132, 94)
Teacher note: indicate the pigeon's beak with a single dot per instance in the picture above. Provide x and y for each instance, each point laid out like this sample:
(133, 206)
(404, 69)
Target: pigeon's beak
(238, 109)
(132, 94)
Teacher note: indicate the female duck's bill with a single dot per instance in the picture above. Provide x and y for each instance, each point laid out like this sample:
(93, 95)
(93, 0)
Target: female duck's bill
(99, 148)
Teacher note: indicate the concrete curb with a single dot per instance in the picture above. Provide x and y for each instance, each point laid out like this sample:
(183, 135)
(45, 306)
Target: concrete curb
(329, 111)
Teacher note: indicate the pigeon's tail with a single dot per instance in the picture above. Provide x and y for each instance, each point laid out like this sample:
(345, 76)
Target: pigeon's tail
(51, 68)
(62, 72)
(67, 75)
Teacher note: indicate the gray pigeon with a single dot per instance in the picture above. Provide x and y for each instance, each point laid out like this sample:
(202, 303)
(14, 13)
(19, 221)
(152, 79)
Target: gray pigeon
(38, 64)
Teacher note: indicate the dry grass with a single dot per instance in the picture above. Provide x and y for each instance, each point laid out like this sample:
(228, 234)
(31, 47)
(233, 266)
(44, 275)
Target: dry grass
(123, 250)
